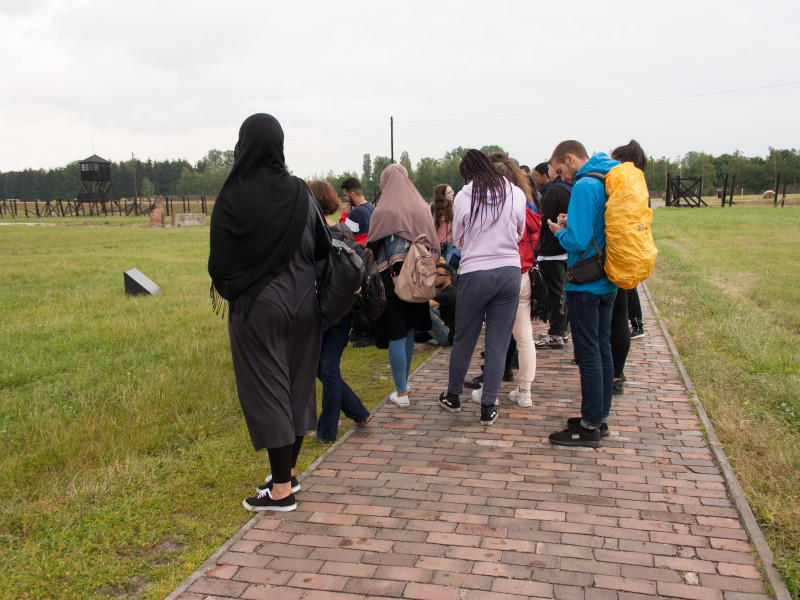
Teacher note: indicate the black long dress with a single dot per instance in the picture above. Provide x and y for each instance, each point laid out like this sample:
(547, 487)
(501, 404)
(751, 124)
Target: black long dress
(275, 351)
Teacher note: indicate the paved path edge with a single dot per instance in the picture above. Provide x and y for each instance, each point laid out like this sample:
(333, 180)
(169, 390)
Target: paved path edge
(779, 589)
(211, 561)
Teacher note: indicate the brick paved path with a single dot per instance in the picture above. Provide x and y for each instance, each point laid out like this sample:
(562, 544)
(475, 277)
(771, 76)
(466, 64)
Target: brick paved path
(427, 504)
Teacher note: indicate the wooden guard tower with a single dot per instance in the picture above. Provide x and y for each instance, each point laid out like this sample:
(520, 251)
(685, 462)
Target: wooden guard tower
(96, 190)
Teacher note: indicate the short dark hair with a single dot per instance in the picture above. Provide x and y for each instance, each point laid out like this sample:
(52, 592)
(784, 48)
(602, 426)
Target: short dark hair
(326, 196)
(448, 269)
(631, 152)
(352, 184)
(525, 169)
(541, 168)
(568, 147)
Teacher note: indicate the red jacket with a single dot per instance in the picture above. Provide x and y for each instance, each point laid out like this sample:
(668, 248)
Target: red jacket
(529, 245)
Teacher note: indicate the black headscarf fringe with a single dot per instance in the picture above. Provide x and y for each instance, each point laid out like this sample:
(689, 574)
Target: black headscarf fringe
(218, 304)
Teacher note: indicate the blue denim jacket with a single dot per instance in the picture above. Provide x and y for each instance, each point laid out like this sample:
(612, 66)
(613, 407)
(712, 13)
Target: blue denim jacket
(393, 249)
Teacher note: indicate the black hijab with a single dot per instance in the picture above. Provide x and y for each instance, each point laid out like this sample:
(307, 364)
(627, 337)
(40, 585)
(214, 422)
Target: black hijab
(258, 217)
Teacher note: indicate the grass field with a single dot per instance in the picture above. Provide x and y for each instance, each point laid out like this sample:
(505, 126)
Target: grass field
(726, 284)
(123, 453)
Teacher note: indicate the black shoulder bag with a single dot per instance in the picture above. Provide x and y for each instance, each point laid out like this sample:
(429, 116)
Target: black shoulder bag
(340, 282)
(587, 270)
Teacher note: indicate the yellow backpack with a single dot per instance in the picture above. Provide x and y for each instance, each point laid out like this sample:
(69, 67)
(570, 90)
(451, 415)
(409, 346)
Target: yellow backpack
(630, 249)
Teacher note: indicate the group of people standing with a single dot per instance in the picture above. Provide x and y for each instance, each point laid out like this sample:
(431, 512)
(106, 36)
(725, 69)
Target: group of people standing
(265, 256)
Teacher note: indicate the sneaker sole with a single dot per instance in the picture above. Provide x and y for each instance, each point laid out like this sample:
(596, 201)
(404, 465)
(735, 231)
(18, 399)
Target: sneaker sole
(636, 337)
(399, 403)
(583, 444)
(289, 508)
(450, 408)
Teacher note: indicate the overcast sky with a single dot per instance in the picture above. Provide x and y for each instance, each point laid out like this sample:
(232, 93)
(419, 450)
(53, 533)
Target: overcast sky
(168, 80)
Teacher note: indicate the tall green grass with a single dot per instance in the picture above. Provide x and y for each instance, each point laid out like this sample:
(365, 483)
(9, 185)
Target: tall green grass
(123, 453)
(726, 284)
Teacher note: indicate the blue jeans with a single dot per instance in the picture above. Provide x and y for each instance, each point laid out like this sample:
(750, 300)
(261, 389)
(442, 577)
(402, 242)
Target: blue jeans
(439, 330)
(336, 394)
(400, 353)
(590, 318)
(452, 256)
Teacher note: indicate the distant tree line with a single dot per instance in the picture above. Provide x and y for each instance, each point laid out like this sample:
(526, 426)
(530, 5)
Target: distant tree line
(162, 178)
(178, 177)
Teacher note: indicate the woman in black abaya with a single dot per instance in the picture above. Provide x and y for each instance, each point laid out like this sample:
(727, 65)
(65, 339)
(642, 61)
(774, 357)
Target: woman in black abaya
(262, 263)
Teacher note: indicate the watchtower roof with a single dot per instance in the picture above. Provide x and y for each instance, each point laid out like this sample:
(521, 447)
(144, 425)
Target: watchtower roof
(96, 159)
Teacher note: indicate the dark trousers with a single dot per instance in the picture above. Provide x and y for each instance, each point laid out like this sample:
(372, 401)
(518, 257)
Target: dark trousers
(590, 319)
(336, 394)
(555, 276)
(620, 333)
(491, 296)
(634, 307)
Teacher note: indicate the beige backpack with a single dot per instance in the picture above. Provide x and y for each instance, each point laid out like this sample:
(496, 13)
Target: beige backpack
(416, 281)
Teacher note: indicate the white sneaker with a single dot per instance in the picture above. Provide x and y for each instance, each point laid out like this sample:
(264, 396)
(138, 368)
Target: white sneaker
(478, 394)
(521, 398)
(399, 400)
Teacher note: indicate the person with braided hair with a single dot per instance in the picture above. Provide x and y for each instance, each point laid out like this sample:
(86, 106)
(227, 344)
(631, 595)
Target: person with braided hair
(488, 222)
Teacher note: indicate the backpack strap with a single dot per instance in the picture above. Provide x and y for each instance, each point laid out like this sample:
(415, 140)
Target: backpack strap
(594, 175)
(563, 186)
(599, 252)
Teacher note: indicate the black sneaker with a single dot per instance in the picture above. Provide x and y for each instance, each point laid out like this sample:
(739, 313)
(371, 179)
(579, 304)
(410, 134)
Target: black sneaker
(577, 436)
(488, 414)
(475, 383)
(264, 502)
(618, 387)
(268, 485)
(552, 341)
(637, 332)
(449, 402)
(508, 375)
(573, 422)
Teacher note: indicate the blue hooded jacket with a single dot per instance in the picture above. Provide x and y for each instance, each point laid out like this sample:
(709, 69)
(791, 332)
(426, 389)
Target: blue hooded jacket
(586, 219)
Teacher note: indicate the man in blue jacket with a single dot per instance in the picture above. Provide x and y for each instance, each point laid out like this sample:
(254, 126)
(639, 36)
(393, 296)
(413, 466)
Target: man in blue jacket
(588, 304)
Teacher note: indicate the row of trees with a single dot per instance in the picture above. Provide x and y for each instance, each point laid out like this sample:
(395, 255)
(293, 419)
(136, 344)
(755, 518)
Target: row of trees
(178, 177)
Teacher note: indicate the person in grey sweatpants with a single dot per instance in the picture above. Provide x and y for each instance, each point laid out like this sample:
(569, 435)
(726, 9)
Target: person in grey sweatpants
(492, 295)
(488, 221)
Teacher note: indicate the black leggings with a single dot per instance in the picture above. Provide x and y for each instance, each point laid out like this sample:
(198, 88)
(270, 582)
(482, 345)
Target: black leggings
(634, 306)
(282, 460)
(620, 333)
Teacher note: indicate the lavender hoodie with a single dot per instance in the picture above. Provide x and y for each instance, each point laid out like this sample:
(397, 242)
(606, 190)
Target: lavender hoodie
(489, 246)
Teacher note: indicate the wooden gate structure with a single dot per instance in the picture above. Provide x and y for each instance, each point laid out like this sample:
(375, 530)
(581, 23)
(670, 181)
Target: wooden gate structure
(687, 189)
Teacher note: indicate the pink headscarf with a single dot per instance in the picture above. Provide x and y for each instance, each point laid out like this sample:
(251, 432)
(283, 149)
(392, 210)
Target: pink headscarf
(402, 211)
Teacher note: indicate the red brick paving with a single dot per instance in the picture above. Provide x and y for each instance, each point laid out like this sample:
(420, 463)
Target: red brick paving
(430, 505)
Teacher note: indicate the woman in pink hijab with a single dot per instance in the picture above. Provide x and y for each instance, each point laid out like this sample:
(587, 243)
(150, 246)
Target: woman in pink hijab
(401, 216)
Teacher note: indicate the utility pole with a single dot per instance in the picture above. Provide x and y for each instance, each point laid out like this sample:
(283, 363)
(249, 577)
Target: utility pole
(391, 133)
(135, 191)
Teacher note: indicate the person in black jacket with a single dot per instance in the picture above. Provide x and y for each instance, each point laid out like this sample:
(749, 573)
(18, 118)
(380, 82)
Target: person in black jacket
(552, 260)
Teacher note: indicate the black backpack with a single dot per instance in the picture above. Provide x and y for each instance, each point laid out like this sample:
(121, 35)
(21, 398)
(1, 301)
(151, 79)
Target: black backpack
(371, 300)
(540, 297)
